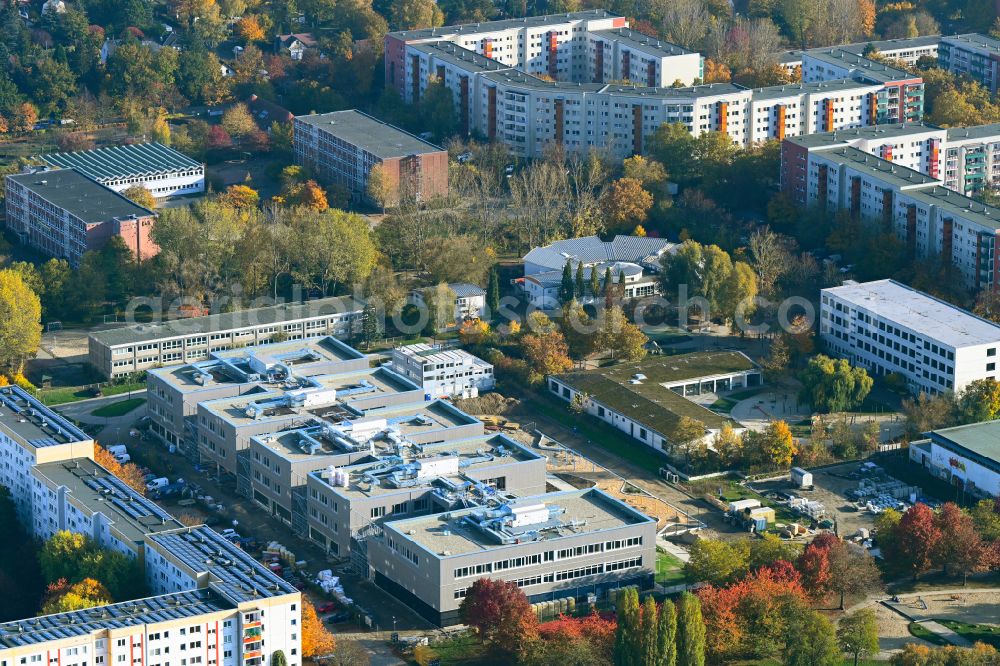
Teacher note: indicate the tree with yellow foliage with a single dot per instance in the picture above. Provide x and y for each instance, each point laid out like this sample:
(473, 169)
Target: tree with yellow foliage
(316, 640)
(717, 72)
(625, 201)
(61, 597)
(240, 197)
(474, 332)
(249, 29)
(20, 321)
(141, 196)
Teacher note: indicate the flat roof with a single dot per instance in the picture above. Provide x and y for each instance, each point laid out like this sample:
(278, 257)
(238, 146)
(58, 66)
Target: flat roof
(845, 136)
(793, 89)
(902, 177)
(114, 162)
(859, 48)
(878, 71)
(99, 491)
(959, 204)
(504, 24)
(473, 454)
(982, 439)
(164, 608)
(233, 573)
(370, 134)
(82, 197)
(28, 419)
(458, 55)
(975, 41)
(650, 402)
(246, 365)
(434, 354)
(228, 321)
(641, 41)
(919, 312)
(583, 512)
(974, 132)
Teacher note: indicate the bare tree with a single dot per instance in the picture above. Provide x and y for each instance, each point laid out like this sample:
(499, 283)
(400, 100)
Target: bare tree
(769, 258)
(685, 22)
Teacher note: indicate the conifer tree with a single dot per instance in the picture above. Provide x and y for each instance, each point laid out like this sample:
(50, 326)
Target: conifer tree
(579, 279)
(649, 654)
(493, 293)
(666, 635)
(627, 633)
(566, 285)
(690, 632)
(595, 285)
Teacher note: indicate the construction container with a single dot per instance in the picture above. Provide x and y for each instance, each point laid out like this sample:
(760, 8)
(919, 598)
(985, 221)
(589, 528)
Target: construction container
(739, 506)
(801, 478)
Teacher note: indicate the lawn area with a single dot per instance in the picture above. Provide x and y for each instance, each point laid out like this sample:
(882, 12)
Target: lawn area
(461, 650)
(669, 569)
(118, 408)
(63, 395)
(118, 389)
(982, 633)
(610, 438)
(919, 631)
(724, 405)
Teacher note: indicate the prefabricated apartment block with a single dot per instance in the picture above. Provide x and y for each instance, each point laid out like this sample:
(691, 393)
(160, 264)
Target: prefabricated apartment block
(163, 171)
(121, 351)
(583, 80)
(212, 603)
(646, 399)
(581, 543)
(343, 147)
(64, 214)
(889, 328)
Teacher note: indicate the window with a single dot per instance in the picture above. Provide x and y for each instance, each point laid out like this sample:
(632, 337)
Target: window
(378, 512)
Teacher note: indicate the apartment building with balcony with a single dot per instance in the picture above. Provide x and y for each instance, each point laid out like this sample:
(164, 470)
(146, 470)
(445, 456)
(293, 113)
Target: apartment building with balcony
(889, 328)
(121, 351)
(343, 147)
(583, 544)
(974, 55)
(64, 214)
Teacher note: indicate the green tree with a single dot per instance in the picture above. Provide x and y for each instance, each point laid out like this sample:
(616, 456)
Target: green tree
(566, 287)
(718, 562)
(673, 144)
(415, 15)
(811, 640)
(690, 632)
(832, 385)
(620, 336)
(437, 106)
(858, 634)
(666, 636)
(627, 634)
(493, 293)
(770, 549)
(20, 321)
(278, 658)
(595, 282)
(649, 654)
(578, 329)
(371, 331)
(578, 283)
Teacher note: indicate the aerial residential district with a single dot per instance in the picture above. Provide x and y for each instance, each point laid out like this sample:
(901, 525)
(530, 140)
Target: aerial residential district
(489, 332)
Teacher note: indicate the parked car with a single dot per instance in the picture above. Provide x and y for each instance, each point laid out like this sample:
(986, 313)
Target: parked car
(328, 607)
(337, 618)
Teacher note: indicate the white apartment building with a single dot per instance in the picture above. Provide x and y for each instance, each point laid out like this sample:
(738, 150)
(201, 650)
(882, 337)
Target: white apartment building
(907, 50)
(889, 328)
(972, 158)
(213, 604)
(974, 55)
(444, 372)
(576, 81)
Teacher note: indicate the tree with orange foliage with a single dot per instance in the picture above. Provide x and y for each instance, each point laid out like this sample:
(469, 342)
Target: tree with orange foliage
(129, 472)
(240, 197)
(547, 354)
(307, 195)
(499, 611)
(717, 72)
(474, 332)
(866, 12)
(751, 617)
(317, 641)
(249, 29)
(626, 203)
(25, 116)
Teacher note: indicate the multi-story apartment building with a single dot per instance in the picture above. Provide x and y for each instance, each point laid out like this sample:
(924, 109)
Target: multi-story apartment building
(121, 351)
(63, 214)
(890, 328)
(964, 159)
(470, 301)
(582, 544)
(213, 604)
(174, 392)
(30, 435)
(502, 89)
(931, 219)
(976, 56)
(443, 372)
(344, 146)
(163, 171)
(907, 50)
(407, 479)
